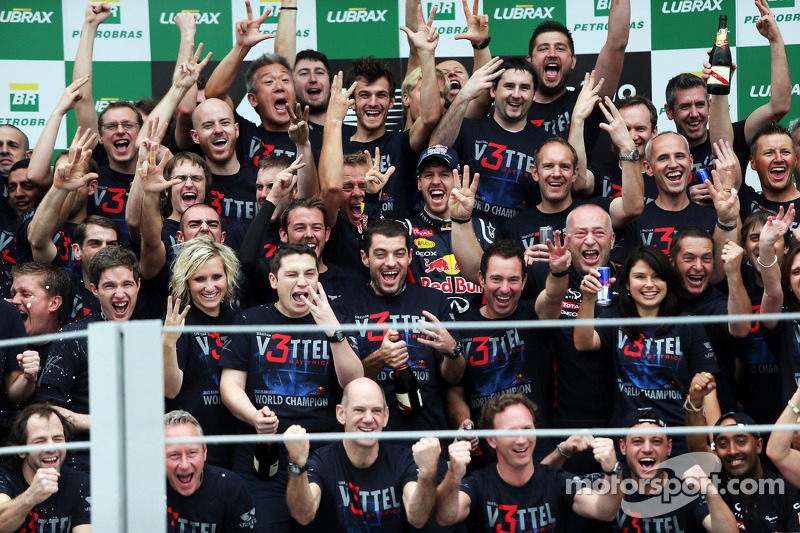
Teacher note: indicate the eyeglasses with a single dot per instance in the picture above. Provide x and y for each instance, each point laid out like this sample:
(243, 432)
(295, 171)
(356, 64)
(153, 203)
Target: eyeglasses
(195, 178)
(127, 126)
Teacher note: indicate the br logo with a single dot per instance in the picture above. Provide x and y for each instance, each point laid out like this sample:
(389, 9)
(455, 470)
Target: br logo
(103, 103)
(24, 97)
(601, 8)
(446, 10)
(276, 11)
(115, 13)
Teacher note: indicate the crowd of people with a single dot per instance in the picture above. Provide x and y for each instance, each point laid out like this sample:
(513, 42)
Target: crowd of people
(494, 203)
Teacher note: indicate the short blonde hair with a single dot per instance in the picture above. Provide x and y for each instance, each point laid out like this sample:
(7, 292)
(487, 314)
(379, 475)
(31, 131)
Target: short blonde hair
(192, 255)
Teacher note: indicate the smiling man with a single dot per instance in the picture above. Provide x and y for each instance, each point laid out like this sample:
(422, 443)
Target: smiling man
(408, 311)
(402, 481)
(114, 277)
(37, 491)
(200, 495)
(271, 379)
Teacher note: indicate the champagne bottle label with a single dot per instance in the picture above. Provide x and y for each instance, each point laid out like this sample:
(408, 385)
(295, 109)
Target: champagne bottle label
(403, 401)
(273, 469)
(720, 76)
(722, 39)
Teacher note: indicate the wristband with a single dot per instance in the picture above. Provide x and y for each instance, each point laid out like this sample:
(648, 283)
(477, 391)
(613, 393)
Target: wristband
(758, 260)
(565, 454)
(560, 274)
(484, 44)
(727, 227)
(793, 407)
(460, 220)
(689, 406)
(289, 8)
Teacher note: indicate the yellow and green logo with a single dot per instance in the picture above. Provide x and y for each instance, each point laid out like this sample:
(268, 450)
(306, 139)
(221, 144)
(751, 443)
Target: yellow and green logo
(24, 97)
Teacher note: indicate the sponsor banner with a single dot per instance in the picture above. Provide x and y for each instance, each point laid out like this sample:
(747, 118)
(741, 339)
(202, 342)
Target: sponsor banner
(681, 61)
(754, 90)
(214, 27)
(511, 22)
(114, 81)
(25, 22)
(124, 36)
(588, 22)
(28, 93)
(353, 28)
(306, 29)
(450, 21)
(787, 15)
(689, 23)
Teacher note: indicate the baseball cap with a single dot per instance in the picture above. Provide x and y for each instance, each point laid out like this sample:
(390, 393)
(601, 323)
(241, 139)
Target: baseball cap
(644, 415)
(742, 421)
(441, 152)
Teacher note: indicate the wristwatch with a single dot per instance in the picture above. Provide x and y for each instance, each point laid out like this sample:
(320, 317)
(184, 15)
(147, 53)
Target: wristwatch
(616, 471)
(338, 336)
(297, 469)
(633, 156)
(458, 352)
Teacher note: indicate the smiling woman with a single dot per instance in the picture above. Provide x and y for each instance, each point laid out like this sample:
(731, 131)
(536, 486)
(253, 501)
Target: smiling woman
(205, 275)
(654, 365)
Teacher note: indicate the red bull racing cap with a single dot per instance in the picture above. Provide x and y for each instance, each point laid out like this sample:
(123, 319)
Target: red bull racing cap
(441, 152)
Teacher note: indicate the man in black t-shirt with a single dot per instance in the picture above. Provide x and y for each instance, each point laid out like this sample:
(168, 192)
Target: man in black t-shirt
(201, 496)
(739, 453)
(516, 490)
(408, 311)
(362, 484)
(37, 491)
(551, 52)
(272, 379)
(655, 508)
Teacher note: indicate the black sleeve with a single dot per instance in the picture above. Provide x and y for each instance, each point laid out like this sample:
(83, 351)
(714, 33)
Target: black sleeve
(253, 267)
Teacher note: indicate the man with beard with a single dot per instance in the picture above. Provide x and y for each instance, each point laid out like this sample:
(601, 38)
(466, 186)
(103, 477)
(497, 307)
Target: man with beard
(644, 453)
(551, 52)
(739, 452)
(499, 147)
(407, 311)
(38, 492)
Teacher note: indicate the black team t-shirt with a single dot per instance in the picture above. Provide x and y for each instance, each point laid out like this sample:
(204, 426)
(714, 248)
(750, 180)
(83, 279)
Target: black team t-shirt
(222, 503)
(67, 508)
(361, 499)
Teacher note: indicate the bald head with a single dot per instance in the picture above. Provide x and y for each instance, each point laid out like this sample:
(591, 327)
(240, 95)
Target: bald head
(13, 147)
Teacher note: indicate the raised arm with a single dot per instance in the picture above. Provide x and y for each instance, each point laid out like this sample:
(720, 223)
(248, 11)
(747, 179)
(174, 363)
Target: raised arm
(424, 40)
(286, 34)
(69, 178)
(96, 14)
(587, 99)
(331, 158)
(21, 383)
(600, 505)
(550, 300)
(481, 81)
(478, 36)
(722, 191)
(173, 375)
(187, 26)
(780, 96)
(154, 134)
(452, 505)
(738, 300)
(702, 384)
(612, 55)
(151, 173)
(779, 446)
(247, 36)
(307, 180)
(466, 248)
(302, 497)
(419, 497)
(586, 338)
(14, 512)
(767, 263)
(630, 204)
(39, 171)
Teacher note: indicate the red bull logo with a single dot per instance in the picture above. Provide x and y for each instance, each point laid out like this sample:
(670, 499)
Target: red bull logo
(446, 264)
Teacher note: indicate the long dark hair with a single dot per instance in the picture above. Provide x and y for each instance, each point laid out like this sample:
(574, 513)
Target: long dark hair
(658, 261)
(789, 297)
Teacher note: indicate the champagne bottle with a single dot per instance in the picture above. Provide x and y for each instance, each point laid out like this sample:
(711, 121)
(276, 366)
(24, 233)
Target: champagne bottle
(720, 80)
(265, 460)
(406, 388)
